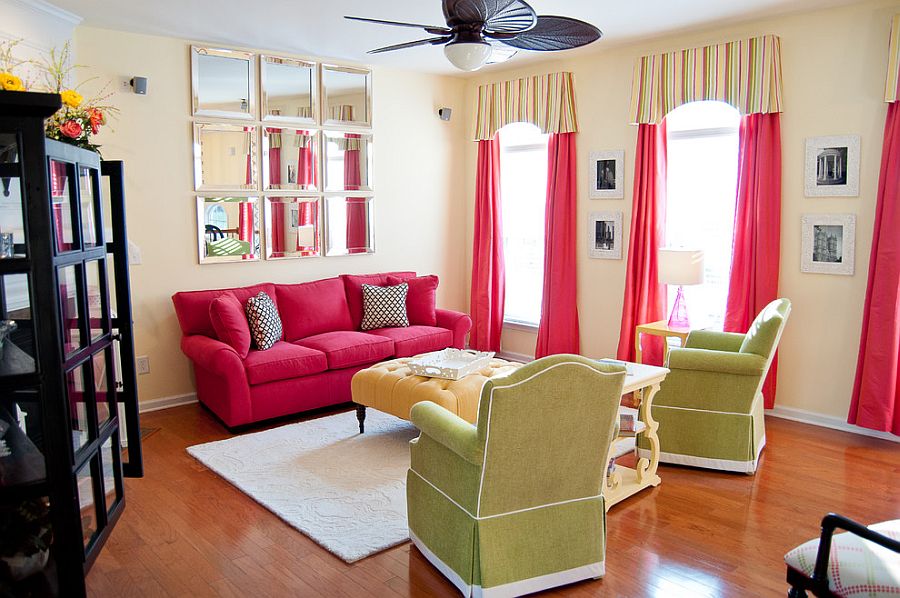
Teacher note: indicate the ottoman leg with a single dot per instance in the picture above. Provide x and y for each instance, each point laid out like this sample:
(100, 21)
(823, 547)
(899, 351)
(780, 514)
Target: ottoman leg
(361, 417)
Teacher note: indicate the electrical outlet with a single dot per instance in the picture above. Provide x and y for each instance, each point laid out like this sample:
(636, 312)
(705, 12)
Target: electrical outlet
(134, 254)
(143, 364)
(125, 84)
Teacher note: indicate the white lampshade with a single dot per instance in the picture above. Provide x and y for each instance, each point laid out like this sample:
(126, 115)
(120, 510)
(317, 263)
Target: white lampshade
(680, 266)
(468, 56)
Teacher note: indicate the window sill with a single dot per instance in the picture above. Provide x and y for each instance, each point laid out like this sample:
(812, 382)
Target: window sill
(521, 326)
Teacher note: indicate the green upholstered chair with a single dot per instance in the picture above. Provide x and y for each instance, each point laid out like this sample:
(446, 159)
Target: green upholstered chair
(710, 406)
(513, 505)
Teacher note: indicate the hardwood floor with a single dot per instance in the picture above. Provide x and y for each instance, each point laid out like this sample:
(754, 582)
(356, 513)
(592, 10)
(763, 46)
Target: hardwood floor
(188, 532)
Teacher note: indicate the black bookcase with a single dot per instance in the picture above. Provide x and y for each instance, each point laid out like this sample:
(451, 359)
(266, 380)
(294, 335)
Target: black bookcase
(67, 374)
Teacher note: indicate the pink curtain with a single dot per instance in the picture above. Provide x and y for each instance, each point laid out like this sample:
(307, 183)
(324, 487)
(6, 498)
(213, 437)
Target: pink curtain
(488, 275)
(277, 207)
(645, 298)
(757, 229)
(558, 330)
(306, 170)
(875, 402)
(357, 225)
(57, 188)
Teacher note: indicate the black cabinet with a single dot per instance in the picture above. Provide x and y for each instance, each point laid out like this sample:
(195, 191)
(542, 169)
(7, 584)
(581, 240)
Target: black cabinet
(67, 379)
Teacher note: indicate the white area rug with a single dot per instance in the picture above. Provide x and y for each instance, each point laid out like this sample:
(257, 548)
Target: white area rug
(345, 490)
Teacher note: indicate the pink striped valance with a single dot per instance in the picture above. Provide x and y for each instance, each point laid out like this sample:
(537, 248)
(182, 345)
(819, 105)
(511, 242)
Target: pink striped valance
(892, 85)
(744, 73)
(546, 101)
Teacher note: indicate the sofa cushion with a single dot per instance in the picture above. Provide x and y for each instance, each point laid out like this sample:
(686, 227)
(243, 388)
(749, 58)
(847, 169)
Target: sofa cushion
(346, 348)
(282, 362)
(264, 321)
(227, 316)
(192, 307)
(313, 307)
(353, 287)
(416, 339)
(421, 299)
(384, 307)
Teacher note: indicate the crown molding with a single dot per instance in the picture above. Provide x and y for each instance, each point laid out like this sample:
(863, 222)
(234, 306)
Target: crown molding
(52, 10)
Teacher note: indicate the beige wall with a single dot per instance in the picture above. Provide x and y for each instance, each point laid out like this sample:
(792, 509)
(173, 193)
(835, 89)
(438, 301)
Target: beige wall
(419, 203)
(834, 66)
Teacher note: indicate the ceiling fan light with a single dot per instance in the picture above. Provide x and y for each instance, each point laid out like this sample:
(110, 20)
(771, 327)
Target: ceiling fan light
(468, 56)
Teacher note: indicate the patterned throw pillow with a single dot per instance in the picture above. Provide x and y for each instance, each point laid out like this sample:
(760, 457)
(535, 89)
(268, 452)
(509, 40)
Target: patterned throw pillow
(384, 307)
(264, 321)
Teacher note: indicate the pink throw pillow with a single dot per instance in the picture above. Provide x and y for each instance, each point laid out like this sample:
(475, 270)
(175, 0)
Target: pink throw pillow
(230, 323)
(421, 298)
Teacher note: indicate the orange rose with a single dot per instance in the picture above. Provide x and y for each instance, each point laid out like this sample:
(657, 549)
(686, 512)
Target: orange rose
(71, 129)
(97, 119)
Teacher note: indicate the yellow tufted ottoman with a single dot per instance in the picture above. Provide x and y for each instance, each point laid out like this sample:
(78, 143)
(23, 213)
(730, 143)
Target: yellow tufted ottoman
(390, 387)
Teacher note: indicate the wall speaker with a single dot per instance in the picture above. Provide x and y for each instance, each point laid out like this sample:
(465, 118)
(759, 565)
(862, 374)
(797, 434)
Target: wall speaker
(444, 113)
(140, 85)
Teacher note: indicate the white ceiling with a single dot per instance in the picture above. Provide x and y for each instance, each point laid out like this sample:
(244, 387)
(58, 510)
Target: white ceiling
(316, 27)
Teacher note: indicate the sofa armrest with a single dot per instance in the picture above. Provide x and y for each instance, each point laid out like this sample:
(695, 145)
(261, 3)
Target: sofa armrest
(457, 322)
(212, 355)
(717, 341)
(722, 362)
(447, 429)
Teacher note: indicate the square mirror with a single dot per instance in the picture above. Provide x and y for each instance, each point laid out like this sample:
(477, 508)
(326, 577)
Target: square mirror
(228, 229)
(348, 225)
(290, 159)
(348, 95)
(224, 157)
(223, 83)
(289, 90)
(292, 227)
(348, 161)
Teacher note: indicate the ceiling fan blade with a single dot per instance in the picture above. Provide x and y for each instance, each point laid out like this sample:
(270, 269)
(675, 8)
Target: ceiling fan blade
(433, 29)
(497, 15)
(421, 42)
(555, 33)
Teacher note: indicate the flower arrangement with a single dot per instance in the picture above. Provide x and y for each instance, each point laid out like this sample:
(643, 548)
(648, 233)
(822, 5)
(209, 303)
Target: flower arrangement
(79, 118)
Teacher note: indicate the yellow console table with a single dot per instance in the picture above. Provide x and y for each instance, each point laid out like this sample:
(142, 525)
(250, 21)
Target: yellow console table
(662, 329)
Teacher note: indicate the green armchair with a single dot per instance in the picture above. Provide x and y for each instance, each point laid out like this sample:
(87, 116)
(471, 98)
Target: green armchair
(513, 505)
(710, 406)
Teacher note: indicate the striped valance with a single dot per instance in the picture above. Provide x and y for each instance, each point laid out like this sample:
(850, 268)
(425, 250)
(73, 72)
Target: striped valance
(546, 101)
(892, 85)
(744, 73)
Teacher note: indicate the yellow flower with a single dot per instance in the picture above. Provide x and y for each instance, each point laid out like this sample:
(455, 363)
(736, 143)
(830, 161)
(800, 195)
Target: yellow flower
(10, 82)
(71, 98)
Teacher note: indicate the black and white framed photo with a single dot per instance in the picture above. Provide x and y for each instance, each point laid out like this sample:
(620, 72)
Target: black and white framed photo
(829, 243)
(605, 235)
(832, 166)
(607, 175)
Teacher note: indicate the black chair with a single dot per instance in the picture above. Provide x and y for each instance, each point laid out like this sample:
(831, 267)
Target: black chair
(818, 583)
(214, 232)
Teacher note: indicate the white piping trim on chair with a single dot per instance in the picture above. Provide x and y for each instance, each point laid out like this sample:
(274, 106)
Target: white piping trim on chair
(487, 434)
(708, 463)
(702, 410)
(515, 588)
(516, 512)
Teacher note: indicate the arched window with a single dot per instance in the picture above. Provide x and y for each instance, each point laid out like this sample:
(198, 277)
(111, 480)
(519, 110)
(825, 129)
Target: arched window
(523, 194)
(702, 164)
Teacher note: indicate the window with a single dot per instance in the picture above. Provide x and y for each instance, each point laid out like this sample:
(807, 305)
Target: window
(523, 193)
(701, 191)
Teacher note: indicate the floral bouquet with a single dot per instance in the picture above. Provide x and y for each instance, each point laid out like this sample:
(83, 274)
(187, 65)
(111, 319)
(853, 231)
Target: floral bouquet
(80, 118)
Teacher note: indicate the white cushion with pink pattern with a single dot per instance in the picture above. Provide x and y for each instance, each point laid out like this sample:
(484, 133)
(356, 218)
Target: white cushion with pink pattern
(856, 567)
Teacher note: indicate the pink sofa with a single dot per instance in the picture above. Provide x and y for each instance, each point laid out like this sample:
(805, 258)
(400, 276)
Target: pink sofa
(321, 349)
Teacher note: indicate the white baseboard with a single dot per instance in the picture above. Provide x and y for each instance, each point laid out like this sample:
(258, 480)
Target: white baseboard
(827, 421)
(167, 402)
(520, 357)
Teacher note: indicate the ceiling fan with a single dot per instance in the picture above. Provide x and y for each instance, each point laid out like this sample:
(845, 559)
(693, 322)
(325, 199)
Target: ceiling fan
(479, 32)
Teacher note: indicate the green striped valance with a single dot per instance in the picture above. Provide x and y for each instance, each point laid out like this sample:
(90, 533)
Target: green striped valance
(546, 101)
(744, 73)
(892, 85)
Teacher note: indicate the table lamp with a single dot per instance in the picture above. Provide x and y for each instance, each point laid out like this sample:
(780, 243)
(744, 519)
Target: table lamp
(681, 267)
